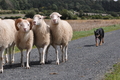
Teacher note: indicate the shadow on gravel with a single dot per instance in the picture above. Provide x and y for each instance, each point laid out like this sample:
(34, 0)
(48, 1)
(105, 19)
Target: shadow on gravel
(89, 45)
(16, 65)
(12, 66)
(38, 62)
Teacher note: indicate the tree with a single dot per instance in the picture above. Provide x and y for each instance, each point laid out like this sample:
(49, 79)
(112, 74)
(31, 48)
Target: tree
(4, 4)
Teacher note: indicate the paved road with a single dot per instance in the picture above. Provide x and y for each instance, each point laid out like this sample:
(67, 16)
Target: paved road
(86, 62)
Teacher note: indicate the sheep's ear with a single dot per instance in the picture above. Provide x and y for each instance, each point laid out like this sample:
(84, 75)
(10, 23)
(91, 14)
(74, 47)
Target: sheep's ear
(59, 15)
(31, 22)
(44, 17)
(51, 16)
(16, 23)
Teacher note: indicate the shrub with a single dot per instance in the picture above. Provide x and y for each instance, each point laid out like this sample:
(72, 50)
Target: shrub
(30, 14)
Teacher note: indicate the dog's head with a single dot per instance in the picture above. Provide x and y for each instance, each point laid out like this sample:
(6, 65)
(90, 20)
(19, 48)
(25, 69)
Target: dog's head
(97, 33)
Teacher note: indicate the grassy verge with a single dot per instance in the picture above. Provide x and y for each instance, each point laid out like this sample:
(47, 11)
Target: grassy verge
(80, 34)
(115, 74)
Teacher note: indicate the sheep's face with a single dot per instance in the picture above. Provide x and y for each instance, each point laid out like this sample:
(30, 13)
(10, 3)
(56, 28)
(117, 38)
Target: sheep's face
(37, 19)
(24, 26)
(55, 17)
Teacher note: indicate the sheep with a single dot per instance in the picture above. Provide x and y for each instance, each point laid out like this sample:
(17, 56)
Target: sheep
(41, 36)
(9, 50)
(24, 38)
(7, 37)
(61, 32)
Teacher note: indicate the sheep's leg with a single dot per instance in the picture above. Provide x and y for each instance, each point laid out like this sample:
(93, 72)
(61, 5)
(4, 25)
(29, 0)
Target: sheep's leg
(13, 51)
(39, 53)
(57, 56)
(62, 49)
(43, 55)
(66, 55)
(1, 59)
(10, 56)
(27, 55)
(47, 53)
(5, 59)
(6, 56)
(22, 63)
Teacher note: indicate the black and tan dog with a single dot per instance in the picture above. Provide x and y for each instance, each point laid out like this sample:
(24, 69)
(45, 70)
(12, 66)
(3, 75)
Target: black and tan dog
(99, 34)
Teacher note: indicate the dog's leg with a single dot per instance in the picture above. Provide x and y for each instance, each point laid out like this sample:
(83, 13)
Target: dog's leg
(100, 42)
(96, 42)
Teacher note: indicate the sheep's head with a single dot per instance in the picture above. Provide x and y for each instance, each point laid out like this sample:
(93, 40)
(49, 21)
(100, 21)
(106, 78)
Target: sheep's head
(37, 19)
(23, 25)
(55, 17)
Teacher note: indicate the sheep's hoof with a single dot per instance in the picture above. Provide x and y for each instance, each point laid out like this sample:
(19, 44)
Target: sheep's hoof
(57, 63)
(66, 60)
(6, 61)
(28, 67)
(3, 63)
(63, 60)
(42, 63)
(1, 70)
(12, 61)
(22, 65)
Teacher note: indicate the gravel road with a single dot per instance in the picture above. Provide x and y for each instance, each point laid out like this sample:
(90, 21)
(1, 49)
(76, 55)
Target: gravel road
(85, 61)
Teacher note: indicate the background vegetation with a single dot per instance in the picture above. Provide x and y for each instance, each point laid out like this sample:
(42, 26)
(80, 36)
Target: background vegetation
(70, 9)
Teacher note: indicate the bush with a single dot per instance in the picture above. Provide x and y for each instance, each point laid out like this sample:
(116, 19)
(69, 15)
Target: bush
(30, 14)
(12, 17)
(67, 14)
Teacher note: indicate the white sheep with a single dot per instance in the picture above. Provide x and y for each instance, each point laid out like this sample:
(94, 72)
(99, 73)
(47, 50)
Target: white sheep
(7, 37)
(24, 38)
(41, 36)
(10, 49)
(61, 32)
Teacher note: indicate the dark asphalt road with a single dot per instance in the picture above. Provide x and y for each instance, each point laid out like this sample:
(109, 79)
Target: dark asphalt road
(85, 61)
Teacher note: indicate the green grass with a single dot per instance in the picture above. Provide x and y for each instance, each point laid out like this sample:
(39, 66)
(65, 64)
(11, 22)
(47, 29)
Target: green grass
(115, 74)
(80, 34)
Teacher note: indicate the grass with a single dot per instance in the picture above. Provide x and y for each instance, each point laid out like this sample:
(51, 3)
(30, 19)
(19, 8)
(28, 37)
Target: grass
(115, 74)
(80, 34)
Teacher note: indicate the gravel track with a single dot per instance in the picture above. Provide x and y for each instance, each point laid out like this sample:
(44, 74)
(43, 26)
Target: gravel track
(85, 61)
